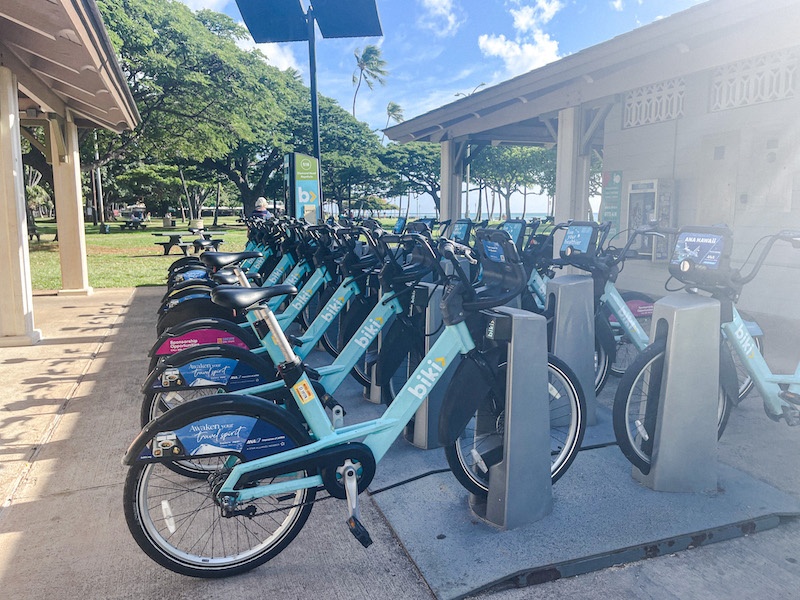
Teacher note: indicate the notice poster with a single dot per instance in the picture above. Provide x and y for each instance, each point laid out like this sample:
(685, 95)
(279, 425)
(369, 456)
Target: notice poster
(611, 200)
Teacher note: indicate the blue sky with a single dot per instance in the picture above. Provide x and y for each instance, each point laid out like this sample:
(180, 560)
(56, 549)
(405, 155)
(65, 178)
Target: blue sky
(436, 49)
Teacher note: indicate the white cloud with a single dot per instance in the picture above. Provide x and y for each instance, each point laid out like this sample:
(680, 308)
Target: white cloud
(520, 57)
(280, 55)
(618, 5)
(532, 46)
(216, 5)
(440, 16)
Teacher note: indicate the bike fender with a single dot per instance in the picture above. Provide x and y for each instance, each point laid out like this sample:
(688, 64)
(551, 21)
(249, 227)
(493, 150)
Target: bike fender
(468, 391)
(728, 378)
(192, 308)
(189, 430)
(214, 365)
(203, 331)
(605, 335)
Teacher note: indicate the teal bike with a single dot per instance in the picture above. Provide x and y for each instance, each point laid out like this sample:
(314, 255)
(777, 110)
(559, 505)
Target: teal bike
(701, 262)
(266, 464)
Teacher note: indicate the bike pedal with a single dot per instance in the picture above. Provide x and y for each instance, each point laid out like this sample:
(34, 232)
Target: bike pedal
(792, 416)
(790, 397)
(359, 532)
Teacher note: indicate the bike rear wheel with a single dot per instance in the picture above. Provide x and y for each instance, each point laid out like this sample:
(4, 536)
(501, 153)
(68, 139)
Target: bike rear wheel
(601, 367)
(179, 524)
(480, 445)
(635, 410)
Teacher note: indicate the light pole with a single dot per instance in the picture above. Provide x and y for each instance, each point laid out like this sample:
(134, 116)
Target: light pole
(286, 21)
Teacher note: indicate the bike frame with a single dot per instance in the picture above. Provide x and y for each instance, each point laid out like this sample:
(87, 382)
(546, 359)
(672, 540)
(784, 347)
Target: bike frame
(767, 382)
(343, 294)
(625, 319)
(332, 376)
(378, 434)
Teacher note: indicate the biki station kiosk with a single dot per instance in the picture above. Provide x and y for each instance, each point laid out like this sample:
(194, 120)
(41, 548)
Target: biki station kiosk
(302, 195)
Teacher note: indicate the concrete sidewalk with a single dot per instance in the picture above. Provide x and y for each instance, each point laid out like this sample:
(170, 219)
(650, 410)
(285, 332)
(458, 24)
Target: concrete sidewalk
(70, 408)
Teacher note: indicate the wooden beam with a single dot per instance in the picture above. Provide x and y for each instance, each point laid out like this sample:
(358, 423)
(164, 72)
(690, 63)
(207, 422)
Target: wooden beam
(28, 135)
(59, 135)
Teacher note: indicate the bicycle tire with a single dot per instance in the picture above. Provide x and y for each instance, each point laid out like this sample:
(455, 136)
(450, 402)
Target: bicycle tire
(178, 523)
(626, 351)
(155, 404)
(634, 418)
(601, 367)
(567, 428)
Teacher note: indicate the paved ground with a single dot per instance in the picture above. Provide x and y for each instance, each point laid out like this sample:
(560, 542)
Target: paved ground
(70, 408)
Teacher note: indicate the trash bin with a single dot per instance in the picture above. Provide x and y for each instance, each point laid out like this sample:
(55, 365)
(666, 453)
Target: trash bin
(168, 221)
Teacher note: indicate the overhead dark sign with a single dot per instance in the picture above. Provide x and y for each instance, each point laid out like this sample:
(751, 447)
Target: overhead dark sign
(285, 21)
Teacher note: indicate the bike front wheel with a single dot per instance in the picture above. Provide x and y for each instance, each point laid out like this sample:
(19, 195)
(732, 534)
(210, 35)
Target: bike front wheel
(178, 521)
(480, 444)
(635, 411)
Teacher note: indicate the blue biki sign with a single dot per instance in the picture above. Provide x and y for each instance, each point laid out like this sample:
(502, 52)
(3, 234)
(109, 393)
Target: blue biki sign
(303, 197)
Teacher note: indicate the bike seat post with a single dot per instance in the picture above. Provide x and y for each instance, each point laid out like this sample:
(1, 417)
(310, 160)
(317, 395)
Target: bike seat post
(264, 313)
(241, 276)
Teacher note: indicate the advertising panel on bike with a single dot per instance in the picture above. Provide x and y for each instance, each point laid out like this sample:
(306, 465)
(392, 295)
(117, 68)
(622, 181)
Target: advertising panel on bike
(701, 255)
(580, 239)
(219, 435)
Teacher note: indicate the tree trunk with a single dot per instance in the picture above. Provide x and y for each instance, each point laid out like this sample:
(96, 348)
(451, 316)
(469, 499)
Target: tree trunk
(186, 191)
(216, 204)
(524, 201)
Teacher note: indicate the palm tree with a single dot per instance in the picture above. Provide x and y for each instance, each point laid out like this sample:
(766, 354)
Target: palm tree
(370, 68)
(394, 112)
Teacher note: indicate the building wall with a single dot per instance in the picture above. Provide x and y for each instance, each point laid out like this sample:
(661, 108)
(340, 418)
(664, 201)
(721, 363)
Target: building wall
(736, 165)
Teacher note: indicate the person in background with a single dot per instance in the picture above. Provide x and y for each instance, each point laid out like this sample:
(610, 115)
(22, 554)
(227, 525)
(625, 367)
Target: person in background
(261, 211)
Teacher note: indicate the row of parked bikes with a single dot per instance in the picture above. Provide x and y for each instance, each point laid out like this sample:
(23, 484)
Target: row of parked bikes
(239, 435)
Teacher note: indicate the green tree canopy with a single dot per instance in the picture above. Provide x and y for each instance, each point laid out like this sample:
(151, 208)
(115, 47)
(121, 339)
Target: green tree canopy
(508, 169)
(416, 166)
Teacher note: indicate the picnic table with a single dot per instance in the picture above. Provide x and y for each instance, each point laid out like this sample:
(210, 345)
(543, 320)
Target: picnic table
(175, 239)
(133, 224)
(206, 241)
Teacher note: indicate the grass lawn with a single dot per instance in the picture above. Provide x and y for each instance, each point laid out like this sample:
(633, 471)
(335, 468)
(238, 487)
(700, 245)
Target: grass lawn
(121, 258)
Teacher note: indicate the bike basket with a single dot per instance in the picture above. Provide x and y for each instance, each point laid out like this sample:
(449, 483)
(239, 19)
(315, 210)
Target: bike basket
(580, 240)
(702, 256)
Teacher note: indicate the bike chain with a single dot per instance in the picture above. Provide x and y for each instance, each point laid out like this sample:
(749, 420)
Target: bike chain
(302, 504)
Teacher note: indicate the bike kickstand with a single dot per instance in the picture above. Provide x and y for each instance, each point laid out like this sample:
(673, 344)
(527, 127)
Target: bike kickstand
(348, 473)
